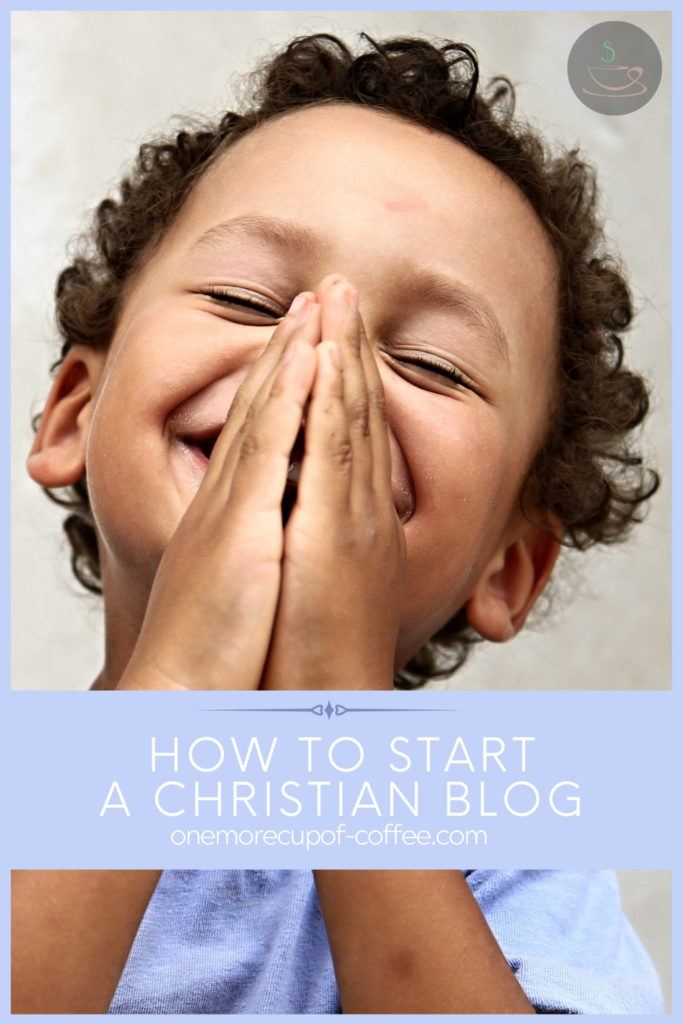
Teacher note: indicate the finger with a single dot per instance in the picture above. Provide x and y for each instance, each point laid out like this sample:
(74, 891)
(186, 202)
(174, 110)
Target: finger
(341, 323)
(260, 473)
(265, 365)
(377, 415)
(223, 468)
(272, 353)
(325, 475)
(250, 400)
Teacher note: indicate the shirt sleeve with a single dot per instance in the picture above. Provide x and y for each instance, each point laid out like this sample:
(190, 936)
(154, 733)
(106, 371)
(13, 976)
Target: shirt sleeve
(567, 939)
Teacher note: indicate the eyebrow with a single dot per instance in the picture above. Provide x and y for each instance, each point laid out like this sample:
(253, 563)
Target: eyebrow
(425, 285)
(433, 286)
(282, 234)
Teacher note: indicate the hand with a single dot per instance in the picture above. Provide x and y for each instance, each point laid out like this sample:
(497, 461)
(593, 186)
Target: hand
(338, 615)
(211, 609)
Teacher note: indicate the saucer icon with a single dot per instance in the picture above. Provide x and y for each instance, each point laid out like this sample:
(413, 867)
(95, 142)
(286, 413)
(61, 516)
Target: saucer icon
(618, 81)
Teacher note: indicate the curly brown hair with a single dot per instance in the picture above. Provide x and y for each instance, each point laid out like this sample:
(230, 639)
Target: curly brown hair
(587, 473)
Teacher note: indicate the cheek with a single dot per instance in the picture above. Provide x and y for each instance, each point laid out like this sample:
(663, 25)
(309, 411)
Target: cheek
(133, 507)
(458, 459)
(156, 363)
(158, 360)
(165, 354)
(457, 455)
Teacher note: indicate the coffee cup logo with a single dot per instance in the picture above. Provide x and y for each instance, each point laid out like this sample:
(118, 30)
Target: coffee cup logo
(614, 67)
(618, 81)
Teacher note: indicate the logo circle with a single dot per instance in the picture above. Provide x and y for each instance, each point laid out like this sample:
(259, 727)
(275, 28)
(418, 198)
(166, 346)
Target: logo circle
(614, 68)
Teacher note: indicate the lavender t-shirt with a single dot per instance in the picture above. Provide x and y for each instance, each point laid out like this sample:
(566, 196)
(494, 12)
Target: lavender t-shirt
(255, 942)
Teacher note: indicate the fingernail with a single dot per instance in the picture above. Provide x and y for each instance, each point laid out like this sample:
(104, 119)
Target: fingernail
(302, 314)
(300, 302)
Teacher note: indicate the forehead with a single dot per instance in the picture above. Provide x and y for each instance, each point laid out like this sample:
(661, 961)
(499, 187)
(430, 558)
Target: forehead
(378, 193)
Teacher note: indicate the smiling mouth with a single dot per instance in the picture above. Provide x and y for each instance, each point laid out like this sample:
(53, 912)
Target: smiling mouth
(292, 484)
(206, 446)
(202, 449)
(201, 445)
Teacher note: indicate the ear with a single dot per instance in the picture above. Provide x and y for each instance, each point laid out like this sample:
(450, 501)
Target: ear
(513, 581)
(57, 457)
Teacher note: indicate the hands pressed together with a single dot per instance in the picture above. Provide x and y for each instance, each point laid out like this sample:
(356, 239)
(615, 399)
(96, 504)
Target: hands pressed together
(243, 600)
(246, 597)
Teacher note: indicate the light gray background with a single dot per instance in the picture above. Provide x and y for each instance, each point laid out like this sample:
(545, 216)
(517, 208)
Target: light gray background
(89, 87)
(646, 897)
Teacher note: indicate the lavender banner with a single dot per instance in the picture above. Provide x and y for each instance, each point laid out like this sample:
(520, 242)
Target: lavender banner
(341, 780)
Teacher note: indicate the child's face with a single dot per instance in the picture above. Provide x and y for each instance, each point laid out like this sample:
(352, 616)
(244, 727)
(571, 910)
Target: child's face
(386, 203)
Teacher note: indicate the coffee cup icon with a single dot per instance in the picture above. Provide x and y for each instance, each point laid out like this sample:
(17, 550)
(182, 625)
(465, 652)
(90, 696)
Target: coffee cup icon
(616, 81)
(614, 68)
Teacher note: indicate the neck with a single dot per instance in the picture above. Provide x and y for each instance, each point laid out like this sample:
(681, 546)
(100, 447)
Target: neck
(124, 611)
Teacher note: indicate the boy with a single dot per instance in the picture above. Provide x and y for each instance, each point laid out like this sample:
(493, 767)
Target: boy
(407, 297)
(576, 464)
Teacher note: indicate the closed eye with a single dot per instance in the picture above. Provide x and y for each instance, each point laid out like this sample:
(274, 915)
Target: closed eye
(431, 368)
(242, 300)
